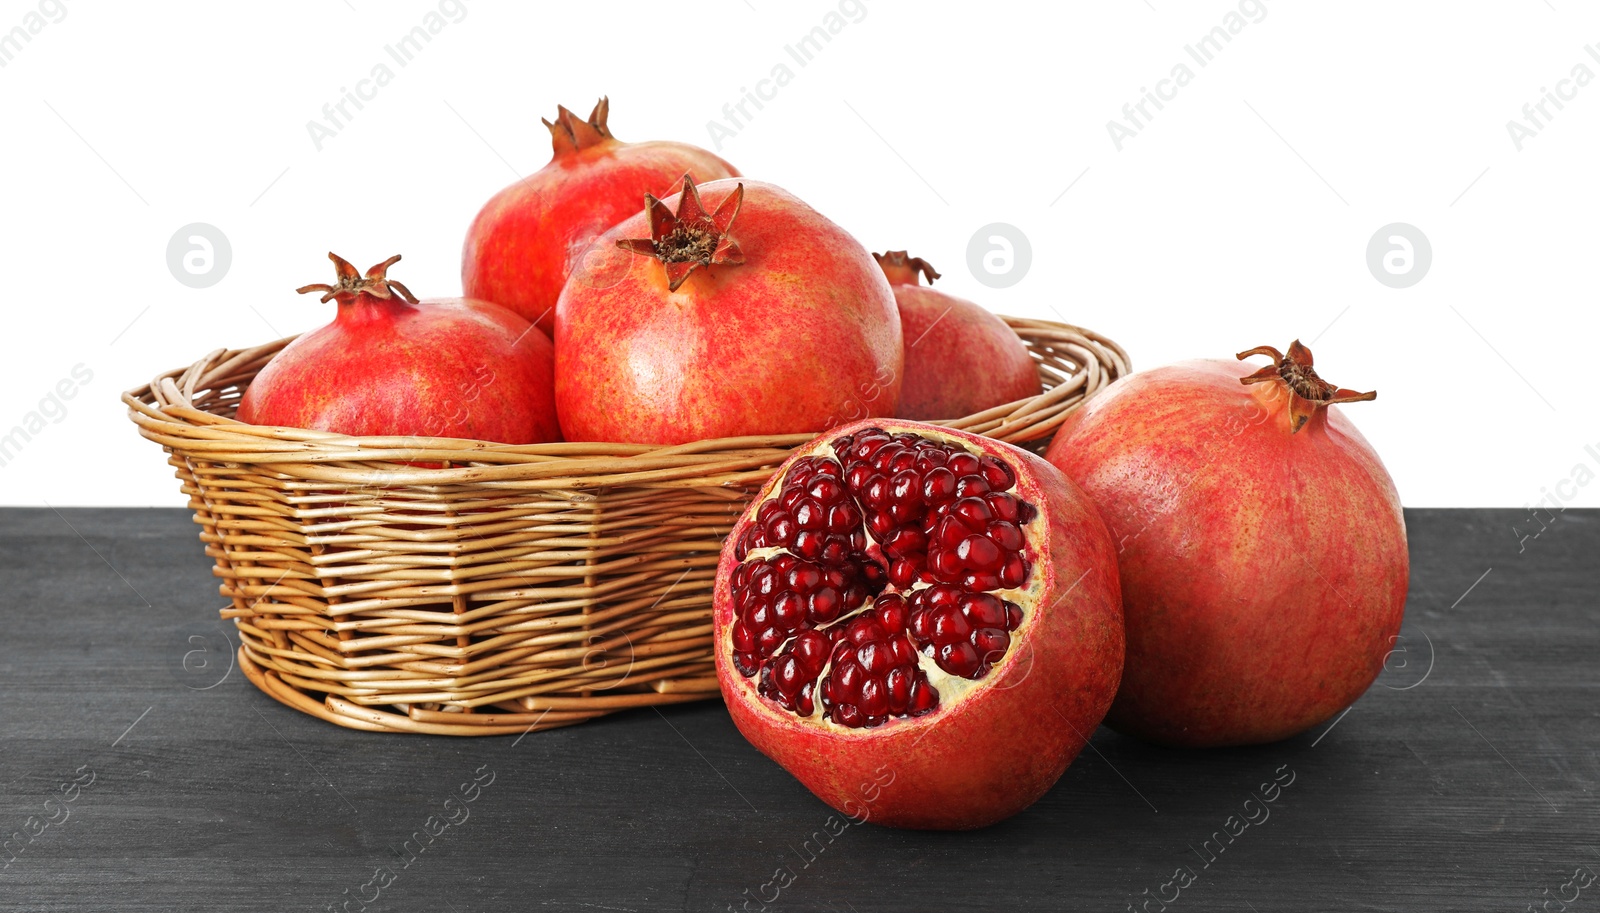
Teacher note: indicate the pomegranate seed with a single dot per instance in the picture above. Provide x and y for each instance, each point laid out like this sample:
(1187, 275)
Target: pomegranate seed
(788, 609)
(949, 627)
(981, 580)
(898, 684)
(847, 681)
(991, 643)
(965, 464)
(809, 544)
(959, 658)
(997, 474)
(1003, 505)
(945, 564)
(1015, 572)
(824, 605)
(980, 554)
(923, 698)
(743, 640)
(983, 610)
(972, 487)
(902, 574)
(769, 641)
(875, 658)
(939, 486)
(811, 649)
(787, 675)
(1006, 535)
(809, 516)
(874, 698)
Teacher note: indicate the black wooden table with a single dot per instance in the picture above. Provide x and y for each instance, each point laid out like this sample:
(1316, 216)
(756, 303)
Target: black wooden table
(139, 773)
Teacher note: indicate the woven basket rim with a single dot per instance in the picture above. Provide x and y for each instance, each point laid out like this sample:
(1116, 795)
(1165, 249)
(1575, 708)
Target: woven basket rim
(1077, 362)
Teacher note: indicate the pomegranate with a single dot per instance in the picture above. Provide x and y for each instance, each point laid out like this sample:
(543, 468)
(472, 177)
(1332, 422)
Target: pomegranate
(960, 358)
(533, 234)
(1261, 546)
(389, 364)
(923, 625)
(759, 317)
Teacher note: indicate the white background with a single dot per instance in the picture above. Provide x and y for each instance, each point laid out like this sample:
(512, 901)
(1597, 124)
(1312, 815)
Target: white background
(1239, 216)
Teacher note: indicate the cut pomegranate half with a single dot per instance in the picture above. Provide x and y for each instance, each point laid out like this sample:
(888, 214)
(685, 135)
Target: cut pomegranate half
(889, 574)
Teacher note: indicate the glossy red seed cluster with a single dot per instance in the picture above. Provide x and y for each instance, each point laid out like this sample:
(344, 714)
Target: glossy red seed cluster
(944, 529)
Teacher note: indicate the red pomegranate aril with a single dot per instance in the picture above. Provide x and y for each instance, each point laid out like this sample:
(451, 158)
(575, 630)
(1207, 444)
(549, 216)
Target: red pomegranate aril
(983, 609)
(743, 640)
(979, 553)
(997, 474)
(950, 627)
(1005, 535)
(1003, 505)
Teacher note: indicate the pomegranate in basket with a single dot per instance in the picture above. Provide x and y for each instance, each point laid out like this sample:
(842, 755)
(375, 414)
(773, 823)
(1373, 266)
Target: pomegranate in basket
(389, 364)
(732, 309)
(923, 625)
(960, 358)
(535, 233)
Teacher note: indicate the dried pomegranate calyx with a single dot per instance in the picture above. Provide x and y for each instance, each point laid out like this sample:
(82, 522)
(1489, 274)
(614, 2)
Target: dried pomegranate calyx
(351, 283)
(1307, 392)
(570, 133)
(901, 269)
(690, 237)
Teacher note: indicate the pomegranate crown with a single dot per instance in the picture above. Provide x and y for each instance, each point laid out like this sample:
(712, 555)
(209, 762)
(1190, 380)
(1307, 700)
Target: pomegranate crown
(690, 237)
(1308, 393)
(903, 269)
(569, 133)
(351, 283)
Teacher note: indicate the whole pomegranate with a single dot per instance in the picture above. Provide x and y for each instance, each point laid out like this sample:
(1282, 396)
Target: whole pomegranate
(922, 625)
(389, 364)
(745, 312)
(1261, 545)
(530, 236)
(960, 358)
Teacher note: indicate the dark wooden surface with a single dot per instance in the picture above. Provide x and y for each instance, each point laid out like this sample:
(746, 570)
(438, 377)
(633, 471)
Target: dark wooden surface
(1465, 779)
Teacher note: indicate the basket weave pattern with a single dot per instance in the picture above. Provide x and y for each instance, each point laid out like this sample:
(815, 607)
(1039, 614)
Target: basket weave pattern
(459, 587)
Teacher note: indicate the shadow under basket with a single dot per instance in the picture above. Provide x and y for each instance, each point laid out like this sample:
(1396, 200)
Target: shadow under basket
(517, 587)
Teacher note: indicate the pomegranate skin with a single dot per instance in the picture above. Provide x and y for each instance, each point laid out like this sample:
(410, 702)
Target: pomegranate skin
(436, 368)
(533, 234)
(960, 358)
(801, 335)
(1264, 572)
(1000, 746)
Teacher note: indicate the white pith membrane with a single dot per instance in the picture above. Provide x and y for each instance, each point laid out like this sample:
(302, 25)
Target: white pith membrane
(951, 689)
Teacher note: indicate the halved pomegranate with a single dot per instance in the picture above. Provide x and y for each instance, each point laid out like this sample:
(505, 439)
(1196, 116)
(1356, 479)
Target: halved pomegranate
(923, 625)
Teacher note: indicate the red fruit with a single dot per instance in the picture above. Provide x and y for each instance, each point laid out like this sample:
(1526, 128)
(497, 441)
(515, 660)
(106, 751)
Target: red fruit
(1262, 549)
(918, 688)
(960, 358)
(532, 235)
(389, 364)
(747, 314)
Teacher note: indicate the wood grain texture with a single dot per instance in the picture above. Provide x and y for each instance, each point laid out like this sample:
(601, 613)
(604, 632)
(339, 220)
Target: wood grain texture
(1471, 788)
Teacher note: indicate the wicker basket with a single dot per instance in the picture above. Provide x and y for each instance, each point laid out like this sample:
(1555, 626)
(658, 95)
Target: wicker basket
(517, 588)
